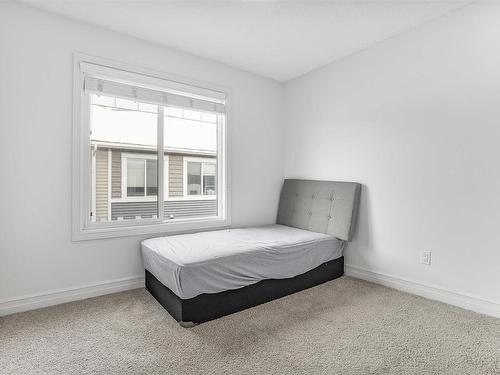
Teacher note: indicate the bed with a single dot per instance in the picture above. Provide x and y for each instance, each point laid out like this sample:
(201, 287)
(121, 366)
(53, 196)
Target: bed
(203, 276)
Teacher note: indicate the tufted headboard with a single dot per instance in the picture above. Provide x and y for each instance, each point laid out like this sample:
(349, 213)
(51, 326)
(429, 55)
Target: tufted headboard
(320, 206)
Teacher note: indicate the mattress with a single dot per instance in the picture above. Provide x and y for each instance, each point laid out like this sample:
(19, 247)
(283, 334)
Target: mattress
(212, 262)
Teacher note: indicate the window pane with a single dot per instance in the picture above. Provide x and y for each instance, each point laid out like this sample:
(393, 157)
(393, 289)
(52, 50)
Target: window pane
(124, 148)
(135, 177)
(209, 178)
(209, 185)
(190, 141)
(209, 169)
(151, 177)
(193, 178)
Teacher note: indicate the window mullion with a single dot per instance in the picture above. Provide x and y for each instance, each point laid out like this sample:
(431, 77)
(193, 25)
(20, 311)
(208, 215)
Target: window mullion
(160, 165)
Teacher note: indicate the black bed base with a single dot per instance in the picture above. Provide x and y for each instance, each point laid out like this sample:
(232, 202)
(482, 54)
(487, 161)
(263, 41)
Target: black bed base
(207, 307)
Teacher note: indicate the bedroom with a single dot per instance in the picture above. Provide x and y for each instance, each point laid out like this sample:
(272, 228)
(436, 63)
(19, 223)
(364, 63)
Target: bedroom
(400, 97)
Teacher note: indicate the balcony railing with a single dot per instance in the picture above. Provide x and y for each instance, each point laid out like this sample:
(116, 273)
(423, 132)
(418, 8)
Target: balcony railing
(172, 209)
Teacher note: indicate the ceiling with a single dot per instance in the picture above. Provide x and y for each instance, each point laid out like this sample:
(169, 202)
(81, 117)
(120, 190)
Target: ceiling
(276, 39)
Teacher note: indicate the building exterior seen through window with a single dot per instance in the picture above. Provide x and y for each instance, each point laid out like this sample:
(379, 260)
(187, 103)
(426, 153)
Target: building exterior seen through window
(124, 151)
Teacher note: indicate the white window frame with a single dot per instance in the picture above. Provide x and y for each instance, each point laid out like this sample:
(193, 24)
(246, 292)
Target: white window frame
(145, 198)
(82, 227)
(186, 160)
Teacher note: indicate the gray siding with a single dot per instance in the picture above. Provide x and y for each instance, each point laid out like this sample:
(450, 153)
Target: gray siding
(101, 184)
(180, 209)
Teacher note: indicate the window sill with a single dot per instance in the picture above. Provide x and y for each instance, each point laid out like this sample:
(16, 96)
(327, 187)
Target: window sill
(166, 228)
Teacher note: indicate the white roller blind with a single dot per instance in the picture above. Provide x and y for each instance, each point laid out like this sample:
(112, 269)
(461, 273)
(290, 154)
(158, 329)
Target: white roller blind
(199, 99)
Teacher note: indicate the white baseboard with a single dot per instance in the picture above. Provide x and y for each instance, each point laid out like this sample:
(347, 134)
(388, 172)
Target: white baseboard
(428, 291)
(55, 297)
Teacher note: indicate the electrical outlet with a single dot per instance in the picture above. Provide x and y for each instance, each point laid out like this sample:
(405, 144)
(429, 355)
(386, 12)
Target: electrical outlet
(426, 258)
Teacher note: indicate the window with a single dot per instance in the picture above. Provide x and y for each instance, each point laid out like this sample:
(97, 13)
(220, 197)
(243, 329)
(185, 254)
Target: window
(193, 185)
(139, 175)
(209, 179)
(136, 180)
(150, 153)
(200, 177)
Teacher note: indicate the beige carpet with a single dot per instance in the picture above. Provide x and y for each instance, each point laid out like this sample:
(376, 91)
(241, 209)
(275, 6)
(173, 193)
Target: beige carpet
(346, 326)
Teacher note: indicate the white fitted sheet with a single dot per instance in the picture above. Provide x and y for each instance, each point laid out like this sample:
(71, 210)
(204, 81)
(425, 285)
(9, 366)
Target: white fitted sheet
(211, 262)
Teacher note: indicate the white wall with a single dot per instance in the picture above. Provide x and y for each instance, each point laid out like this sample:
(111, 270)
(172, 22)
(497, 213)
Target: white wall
(416, 119)
(36, 252)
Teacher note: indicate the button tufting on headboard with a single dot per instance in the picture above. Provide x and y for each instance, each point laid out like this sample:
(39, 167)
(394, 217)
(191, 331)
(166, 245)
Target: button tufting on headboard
(320, 206)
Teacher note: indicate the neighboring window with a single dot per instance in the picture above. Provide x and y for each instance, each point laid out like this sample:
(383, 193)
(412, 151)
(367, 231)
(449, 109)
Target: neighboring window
(151, 177)
(193, 178)
(200, 177)
(140, 175)
(131, 119)
(209, 179)
(135, 178)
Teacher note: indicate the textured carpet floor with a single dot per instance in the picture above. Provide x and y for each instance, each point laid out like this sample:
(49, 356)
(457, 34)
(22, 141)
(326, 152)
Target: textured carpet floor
(346, 326)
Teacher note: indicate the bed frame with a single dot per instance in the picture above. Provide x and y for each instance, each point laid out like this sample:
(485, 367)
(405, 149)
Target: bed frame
(319, 206)
(205, 307)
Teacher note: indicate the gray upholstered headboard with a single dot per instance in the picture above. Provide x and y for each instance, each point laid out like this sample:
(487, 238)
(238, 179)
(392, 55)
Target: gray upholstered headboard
(320, 206)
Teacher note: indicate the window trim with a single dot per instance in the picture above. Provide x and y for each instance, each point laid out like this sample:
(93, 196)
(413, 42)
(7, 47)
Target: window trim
(82, 228)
